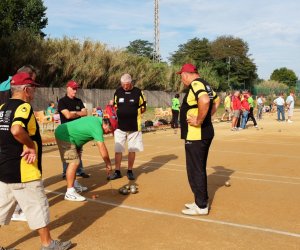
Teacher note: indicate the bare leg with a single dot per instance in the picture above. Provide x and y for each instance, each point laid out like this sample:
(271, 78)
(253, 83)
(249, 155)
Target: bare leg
(70, 174)
(131, 158)
(45, 236)
(118, 159)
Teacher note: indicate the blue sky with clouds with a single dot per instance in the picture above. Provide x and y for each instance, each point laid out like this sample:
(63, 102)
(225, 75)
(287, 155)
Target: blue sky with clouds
(270, 27)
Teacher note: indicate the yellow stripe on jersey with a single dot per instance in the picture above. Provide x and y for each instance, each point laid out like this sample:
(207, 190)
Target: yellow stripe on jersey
(30, 172)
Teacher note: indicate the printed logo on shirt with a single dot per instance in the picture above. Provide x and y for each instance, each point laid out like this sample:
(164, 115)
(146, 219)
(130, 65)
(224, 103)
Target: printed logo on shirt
(24, 109)
(121, 100)
(131, 100)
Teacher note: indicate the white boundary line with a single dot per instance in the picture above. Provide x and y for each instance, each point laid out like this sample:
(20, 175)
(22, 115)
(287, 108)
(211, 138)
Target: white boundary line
(219, 222)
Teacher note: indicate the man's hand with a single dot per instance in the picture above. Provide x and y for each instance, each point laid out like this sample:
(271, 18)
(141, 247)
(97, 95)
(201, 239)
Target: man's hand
(192, 120)
(29, 155)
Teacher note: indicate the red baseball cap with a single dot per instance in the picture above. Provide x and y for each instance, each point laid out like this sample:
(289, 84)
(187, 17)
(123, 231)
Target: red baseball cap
(72, 84)
(190, 68)
(23, 78)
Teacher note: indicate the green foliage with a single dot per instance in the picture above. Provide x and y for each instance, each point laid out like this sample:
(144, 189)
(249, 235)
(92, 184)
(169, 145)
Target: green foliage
(270, 88)
(196, 50)
(141, 48)
(17, 15)
(285, 75)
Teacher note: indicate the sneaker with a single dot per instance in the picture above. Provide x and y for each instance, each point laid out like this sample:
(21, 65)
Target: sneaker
(19, 217)
(289, 121)
(255, 126)
(195, 210)
(130, 176)
(84, 175)
(115, 175)
(79, 188)
(192, 205)
(74, 196)
(233, 129)
(58, 245)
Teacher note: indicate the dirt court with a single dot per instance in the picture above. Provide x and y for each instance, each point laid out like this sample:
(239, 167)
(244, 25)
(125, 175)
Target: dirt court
(261, 209)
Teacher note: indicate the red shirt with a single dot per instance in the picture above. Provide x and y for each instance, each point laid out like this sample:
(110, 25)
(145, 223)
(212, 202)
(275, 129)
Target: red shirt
(245, 104)
(236, 103)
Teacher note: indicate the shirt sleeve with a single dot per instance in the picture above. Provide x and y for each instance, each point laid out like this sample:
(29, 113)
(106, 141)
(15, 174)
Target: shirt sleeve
(22, 114)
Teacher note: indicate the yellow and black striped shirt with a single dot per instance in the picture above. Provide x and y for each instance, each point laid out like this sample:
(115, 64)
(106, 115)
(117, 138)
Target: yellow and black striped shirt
(189, 106)
(13, 168)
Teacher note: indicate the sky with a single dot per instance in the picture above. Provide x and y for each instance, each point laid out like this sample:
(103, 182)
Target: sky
(270, 27)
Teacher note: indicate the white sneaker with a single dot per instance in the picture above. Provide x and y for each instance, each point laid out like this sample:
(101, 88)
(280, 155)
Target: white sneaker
(289, 121)
(195, 210)
(192, 205)
(19, 217)
(255, 126)
(79, 188)
(74, 196)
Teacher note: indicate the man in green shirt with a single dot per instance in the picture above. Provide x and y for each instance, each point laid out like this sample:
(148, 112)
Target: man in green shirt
(75, 134)
(251, 115)
(175, 112)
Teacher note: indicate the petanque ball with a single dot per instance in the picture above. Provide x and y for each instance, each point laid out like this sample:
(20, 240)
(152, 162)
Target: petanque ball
(227, 184)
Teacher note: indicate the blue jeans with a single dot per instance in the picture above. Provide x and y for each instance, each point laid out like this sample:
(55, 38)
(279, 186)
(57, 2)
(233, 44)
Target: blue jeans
(244, 118)
(280, 110)
(79, 169)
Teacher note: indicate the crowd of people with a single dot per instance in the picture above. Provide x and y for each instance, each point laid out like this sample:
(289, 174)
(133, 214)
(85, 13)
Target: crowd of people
(240, 106)
(21, 183)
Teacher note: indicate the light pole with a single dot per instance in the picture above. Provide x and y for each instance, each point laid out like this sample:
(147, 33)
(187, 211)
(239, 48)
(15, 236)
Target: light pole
(229, 58)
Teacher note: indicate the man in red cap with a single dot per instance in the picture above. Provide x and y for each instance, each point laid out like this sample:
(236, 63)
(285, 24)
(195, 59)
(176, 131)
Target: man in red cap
(20, 162)
(199, 104)
(71, 108)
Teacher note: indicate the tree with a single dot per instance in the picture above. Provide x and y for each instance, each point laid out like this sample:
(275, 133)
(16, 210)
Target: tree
(16, 15)
(232, 62)
(285, 75)
(196, 50)
(141, 48)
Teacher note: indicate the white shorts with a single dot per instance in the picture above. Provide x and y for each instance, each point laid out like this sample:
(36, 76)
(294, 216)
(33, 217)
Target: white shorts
(31, 198)
(290, 112)
(135, 141)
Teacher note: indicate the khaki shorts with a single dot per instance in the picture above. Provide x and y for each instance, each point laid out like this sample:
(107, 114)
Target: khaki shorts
(290, 112)
(236, 113)
(135, 141)
(31, 198)
(69, 153)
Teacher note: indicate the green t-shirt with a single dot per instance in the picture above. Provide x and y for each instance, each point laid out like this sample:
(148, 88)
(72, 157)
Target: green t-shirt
(251, 102)
(175, 104)
(81, 131)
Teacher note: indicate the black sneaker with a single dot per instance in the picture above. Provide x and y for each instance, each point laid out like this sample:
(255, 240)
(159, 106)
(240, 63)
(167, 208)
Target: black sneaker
(84, 175)
(63, 176)
(130, 176)
(115, 175)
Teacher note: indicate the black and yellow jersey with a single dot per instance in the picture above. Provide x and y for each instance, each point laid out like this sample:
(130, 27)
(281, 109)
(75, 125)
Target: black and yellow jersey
(189, 106)
(129, 104)
(13, 168)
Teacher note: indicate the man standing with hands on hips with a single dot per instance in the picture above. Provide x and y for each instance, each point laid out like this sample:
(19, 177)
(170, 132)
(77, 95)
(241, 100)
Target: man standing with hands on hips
(199, 104)
(130, 103)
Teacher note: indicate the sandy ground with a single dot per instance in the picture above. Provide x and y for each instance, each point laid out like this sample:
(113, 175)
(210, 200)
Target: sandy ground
(259, 211)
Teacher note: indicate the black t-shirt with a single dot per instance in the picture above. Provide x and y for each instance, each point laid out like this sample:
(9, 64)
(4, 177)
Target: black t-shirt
(129, 104)
(13, 168)
(74, 104)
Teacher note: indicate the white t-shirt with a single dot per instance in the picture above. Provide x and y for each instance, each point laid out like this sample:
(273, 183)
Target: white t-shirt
(290, 101)
(279, 101)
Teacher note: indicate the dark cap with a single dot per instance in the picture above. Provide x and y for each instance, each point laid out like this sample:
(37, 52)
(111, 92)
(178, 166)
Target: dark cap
(22, 78)
(72, 84)
(190, 68)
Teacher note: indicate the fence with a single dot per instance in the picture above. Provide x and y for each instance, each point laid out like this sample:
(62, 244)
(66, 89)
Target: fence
(97, 97)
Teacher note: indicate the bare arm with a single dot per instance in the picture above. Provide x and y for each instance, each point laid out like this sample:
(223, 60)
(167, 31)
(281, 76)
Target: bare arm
(215, 106)
(105, 156)
(74, 114)
(20, 134)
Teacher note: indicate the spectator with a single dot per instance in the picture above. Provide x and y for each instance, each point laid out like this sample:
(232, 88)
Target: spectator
(175, 112)
(71, 108)
(279, 102)
(245, 107)
(260, 106)
(290, 103)
(236, 109)
(111, 113)
(50, 109)
(227, 106)
(251, 114)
